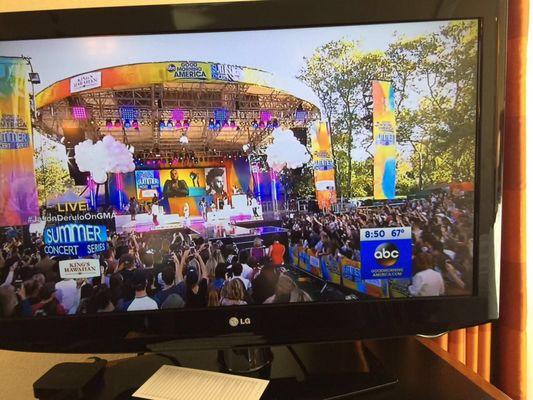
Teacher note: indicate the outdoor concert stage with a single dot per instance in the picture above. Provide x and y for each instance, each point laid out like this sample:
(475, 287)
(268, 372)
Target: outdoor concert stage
(238, 229)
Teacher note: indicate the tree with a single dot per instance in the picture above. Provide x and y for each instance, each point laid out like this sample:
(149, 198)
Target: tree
(51, 176)
(435, 81)
(299, 182)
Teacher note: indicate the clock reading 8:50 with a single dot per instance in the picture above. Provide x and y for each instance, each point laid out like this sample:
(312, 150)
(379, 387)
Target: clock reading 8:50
(378, 233)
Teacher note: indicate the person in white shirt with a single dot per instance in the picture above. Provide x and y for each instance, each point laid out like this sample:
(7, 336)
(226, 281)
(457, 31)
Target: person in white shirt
(186, 210)
(247, 271)
(237, 270)
(426, 282)
(141, 302)
(68, 294)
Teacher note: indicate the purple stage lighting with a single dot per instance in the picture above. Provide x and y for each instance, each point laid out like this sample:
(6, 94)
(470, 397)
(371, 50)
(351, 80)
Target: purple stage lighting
(79, 112)
(178, 114)
(265, 116)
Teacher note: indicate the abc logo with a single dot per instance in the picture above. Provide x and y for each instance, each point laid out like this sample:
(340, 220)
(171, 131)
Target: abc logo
(386, 254)
(171, 68)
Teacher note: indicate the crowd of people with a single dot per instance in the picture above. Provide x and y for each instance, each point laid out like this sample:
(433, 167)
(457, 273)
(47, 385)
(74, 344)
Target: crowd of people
(144, 272)
(442, 230)
(164, 270)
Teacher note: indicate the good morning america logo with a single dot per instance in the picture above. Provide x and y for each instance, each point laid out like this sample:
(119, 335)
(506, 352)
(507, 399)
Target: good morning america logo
(187, 70)
(75, 233)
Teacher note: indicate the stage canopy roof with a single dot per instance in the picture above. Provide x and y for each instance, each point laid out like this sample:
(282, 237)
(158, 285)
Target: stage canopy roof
(135, 103)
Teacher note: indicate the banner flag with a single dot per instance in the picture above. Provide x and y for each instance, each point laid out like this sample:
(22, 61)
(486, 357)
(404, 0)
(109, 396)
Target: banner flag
(384, 131)
(324, 168)
(18, 189)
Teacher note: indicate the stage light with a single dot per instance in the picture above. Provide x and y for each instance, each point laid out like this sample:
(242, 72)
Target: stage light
(170, 125)
(128, 113)
(275, 123)
(161, 124)
(218, 125)
(135, 124)
(301, 115)
(178, 124)
(178, 114)
(211, 125)
(78, 112)
(34, 78)
(108, 123)
(221, 114)
(255, 125)
(261, 125)
(184, 139)
(265, 116)
(232, 124)
(225, 124)
(127, 124)
(118, 124)
(186, 124)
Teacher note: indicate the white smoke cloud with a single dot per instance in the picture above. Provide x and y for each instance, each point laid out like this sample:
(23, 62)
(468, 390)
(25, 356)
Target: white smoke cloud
(286, 151)
(106, 155)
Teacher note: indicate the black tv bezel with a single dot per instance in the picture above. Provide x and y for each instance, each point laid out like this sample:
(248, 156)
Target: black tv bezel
(309, 322)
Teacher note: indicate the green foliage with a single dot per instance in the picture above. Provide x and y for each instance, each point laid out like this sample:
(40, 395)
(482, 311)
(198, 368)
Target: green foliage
(298, 182)
(435, 81)
(51, 176)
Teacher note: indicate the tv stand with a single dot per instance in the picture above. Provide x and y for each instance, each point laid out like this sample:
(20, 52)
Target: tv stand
(423, 371)
(361, 371)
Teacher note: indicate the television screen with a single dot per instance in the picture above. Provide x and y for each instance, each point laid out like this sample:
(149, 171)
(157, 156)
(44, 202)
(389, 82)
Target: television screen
(237, 168)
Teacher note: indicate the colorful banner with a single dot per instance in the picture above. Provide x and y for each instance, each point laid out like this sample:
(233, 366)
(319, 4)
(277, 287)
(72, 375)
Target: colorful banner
(75, 240)
(386, 253)
(384, 140)
(324, 167)
(157, 73)
(331, 268)
(18, 189)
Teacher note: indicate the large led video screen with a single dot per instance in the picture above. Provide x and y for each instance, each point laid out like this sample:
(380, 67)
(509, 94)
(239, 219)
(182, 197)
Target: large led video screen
(321, 164)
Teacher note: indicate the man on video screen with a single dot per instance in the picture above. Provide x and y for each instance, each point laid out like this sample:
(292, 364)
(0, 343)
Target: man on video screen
(175, 187)
(215, 181)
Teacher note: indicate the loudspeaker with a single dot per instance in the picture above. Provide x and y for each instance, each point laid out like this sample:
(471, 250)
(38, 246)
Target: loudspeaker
(301, 135)
(74, 136)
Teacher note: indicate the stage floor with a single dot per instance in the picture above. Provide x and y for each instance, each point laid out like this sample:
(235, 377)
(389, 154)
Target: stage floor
(208, 230)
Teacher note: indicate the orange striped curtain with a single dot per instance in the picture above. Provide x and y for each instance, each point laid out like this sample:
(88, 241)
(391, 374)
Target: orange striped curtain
(471, 346)
(477, 346)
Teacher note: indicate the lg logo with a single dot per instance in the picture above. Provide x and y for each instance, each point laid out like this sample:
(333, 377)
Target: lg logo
(386, 254)
(234, 321)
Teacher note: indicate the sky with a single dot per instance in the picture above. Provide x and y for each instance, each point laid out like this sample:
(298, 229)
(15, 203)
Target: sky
(280, 52)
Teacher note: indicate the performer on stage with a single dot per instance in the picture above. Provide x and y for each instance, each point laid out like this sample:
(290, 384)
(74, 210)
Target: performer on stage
(175, 187)
(133, 208)
(203, 208)
(186, 210)
(155, 213)
(255, 206)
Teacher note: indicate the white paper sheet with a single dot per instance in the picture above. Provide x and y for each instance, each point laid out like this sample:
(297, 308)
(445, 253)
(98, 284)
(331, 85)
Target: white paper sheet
(178, 383)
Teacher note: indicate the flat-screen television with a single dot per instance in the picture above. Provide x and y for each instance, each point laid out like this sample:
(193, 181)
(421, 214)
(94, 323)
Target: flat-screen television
(251, 173)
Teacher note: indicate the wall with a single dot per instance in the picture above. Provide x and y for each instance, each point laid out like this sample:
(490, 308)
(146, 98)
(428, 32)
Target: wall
(33, 5)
